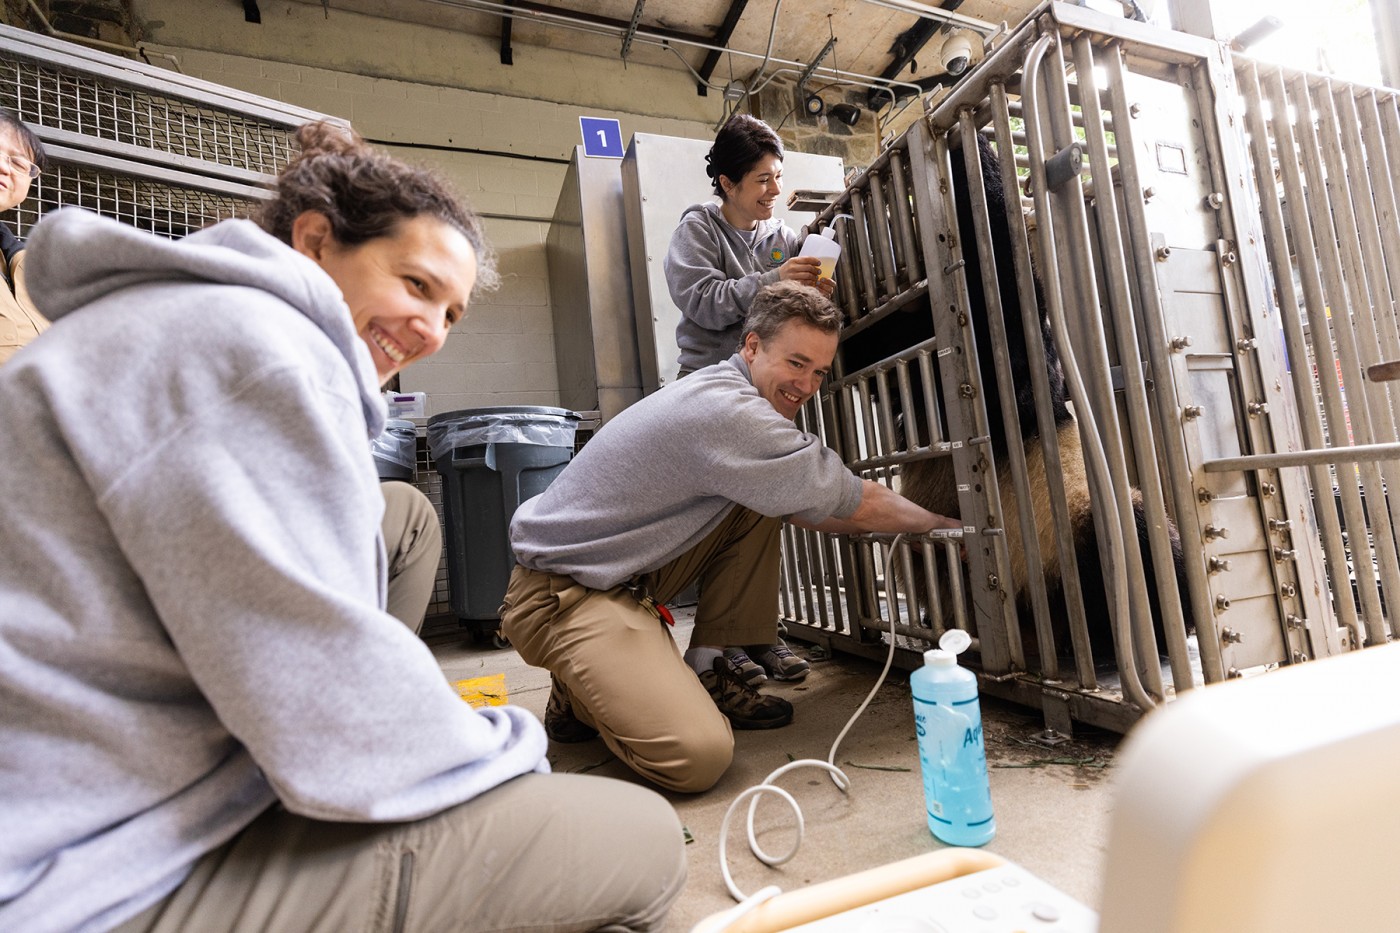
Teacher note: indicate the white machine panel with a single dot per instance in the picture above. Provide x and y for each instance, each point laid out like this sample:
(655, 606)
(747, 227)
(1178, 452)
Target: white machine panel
(1007, 899)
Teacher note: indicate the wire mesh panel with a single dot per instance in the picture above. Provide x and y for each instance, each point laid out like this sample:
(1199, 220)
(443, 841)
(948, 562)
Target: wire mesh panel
(149, 204)
(81, 103)
(161, 151)
(1065, 325)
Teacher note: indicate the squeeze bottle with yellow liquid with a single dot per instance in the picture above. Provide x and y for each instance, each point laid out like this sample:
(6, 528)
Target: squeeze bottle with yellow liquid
(825, 248)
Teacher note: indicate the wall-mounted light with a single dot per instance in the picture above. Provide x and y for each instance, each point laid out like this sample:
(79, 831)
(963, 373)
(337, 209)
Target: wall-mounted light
(815, 105)
(848, 114)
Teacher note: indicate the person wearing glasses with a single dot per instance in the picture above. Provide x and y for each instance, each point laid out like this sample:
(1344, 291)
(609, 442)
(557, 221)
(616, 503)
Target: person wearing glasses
(21, 161)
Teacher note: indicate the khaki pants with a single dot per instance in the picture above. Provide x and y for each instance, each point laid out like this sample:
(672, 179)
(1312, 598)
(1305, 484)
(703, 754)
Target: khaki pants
(413, 540)
(622, 669)
(553, 852)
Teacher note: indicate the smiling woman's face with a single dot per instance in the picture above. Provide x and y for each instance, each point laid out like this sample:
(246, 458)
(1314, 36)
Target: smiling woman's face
(404, 290)
(753, 197)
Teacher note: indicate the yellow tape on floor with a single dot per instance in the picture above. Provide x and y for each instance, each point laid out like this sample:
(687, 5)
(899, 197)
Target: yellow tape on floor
(483, 691)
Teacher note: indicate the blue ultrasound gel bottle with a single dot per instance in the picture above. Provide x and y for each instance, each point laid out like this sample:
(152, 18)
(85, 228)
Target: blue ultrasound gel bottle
(948, 719)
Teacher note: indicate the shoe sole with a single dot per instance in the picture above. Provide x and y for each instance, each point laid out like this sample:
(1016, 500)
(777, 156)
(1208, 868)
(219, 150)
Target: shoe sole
(760, 724)
(792, 679)
(571, 733)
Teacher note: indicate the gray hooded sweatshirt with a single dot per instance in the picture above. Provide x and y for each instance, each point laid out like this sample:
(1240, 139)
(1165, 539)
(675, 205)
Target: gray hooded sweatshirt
(713, 272)
(192, 578)
(660, 476)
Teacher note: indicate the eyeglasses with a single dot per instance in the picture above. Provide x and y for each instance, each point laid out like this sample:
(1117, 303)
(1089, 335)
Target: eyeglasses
(18, 163)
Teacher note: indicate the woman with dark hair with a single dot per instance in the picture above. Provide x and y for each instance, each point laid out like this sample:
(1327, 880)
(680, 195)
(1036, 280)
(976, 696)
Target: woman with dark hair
(722, 254)
(209, 720)
(22, 160)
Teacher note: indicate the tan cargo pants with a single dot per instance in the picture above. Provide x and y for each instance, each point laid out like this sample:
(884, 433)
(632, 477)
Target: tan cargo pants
(623, 671)
(413, 541)
(555, 852)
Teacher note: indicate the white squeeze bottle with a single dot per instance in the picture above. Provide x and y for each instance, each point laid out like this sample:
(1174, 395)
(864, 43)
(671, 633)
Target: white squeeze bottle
(948, 719)
(825, 248)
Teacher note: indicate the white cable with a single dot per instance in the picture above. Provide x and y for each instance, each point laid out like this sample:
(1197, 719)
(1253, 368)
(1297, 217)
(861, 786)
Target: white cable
(752, 794)
(768, 53)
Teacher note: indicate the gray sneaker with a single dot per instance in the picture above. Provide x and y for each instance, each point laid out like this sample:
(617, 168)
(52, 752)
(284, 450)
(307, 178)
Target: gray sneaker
(780, 663)
(744, 667)
(745, 707)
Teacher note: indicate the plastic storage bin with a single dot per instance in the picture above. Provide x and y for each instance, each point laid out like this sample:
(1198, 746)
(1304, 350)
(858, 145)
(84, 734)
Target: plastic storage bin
(491, 460)
(396, 450)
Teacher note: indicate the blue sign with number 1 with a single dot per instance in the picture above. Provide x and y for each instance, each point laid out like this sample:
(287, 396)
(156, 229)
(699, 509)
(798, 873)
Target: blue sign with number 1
(602, 137)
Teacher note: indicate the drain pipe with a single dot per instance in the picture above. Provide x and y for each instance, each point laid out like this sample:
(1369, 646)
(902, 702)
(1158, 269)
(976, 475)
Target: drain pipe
(139, 48)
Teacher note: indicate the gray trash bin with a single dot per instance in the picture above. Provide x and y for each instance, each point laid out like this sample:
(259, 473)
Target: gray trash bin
(491, 460)
(396, 450)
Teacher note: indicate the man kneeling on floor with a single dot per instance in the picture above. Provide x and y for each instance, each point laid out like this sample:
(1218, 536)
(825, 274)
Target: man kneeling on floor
(691, 483)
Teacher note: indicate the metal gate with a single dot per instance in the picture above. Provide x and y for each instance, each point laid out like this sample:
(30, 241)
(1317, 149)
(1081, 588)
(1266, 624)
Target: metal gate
(1171, 212)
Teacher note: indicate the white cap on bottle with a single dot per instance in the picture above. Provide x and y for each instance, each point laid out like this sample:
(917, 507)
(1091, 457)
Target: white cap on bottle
(953, 643)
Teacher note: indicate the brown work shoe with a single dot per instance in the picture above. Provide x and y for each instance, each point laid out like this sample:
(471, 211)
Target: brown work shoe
(745, 706)
(560, 723)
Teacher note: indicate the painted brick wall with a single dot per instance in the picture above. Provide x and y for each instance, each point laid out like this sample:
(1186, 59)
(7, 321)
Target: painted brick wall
(503, 352)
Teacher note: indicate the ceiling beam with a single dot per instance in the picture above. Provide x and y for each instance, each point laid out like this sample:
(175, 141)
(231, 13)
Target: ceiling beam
(721, 37)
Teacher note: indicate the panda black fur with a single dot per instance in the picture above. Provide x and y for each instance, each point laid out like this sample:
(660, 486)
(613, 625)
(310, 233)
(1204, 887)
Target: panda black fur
(931, 482)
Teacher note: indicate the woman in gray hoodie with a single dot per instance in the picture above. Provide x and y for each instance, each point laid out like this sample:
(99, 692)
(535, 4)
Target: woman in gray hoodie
(207, 719)
(722, 254)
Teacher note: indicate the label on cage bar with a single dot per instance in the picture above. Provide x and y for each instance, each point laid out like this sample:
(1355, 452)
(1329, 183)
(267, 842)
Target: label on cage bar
(964, 487)
(945, 351)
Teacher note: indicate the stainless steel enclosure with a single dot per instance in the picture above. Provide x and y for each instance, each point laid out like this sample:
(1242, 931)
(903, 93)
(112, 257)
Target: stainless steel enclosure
(1217, 244)
(595, 338)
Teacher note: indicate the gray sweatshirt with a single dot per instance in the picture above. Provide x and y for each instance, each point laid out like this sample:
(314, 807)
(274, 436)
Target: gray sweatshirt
(713, 272)
(192, 579)
(660, 476)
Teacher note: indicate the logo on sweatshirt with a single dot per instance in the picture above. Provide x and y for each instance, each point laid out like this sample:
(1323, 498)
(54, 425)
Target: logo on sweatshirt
(777, 256)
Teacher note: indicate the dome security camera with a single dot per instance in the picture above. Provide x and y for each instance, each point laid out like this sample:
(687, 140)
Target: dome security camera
(956, 53)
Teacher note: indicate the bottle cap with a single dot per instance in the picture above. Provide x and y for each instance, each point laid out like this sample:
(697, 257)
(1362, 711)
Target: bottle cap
(937, 657)
(829, 233)
(955, 641)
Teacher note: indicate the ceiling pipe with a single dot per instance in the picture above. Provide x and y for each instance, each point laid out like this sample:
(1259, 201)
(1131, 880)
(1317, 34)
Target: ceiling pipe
(139, 48)
(722, 37)
(933, 12)
(663, 41)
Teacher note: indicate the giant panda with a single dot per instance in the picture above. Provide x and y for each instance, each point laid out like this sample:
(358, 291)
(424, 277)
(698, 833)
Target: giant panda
(931, 482)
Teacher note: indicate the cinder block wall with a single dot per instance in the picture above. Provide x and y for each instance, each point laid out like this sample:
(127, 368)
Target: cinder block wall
(503, 134)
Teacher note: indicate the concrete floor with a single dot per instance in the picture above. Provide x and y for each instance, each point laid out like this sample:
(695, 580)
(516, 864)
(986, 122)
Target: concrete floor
(1052, 805)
